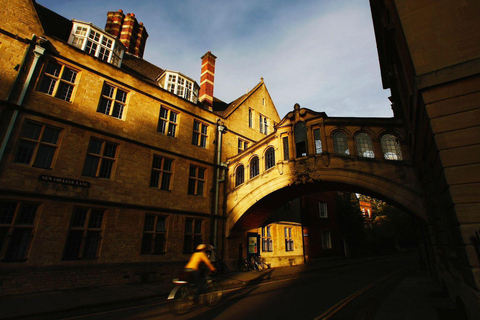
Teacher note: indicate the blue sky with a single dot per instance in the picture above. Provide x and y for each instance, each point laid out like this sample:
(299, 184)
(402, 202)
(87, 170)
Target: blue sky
(320, 54)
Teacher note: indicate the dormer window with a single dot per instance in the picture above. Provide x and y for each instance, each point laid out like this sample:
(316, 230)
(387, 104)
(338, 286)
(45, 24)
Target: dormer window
(97, 43)
(180, 85)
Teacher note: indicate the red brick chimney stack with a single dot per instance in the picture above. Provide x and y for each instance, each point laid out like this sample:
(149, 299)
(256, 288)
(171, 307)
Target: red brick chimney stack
(114, 22)
(141, 38)
(127, 30)
(132, 34)
(207, 79)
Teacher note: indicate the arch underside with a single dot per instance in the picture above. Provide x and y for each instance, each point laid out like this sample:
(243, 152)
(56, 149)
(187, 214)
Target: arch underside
(254, 208)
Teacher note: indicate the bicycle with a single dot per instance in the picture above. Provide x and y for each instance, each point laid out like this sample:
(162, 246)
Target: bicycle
(256, 265)
(261, 262)
(181, 296)
(245, 265)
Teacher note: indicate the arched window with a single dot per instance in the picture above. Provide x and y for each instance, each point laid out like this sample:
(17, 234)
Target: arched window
(269, 158)
(300, 132)
(364, 145)
(254, 167)
(391, 147)
(239, 175)
(340, 143)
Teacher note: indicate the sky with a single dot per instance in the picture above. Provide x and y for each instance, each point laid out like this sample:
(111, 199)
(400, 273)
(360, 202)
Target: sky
(320, 54)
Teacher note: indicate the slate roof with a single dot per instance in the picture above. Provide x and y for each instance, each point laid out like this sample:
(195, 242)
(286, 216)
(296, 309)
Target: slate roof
(141, 68)
(54, 24)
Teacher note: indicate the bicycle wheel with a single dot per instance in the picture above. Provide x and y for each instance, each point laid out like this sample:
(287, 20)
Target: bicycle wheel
(214, 294)
(183, 300)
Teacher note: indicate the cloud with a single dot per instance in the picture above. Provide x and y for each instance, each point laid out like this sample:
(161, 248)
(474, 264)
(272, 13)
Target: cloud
(320, 54)
(325, 62)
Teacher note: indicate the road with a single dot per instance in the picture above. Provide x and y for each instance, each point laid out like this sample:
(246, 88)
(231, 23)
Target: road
(349, 292)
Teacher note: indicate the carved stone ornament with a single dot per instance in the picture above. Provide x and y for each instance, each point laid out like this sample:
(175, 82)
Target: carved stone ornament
(280, 167)
(326, 159)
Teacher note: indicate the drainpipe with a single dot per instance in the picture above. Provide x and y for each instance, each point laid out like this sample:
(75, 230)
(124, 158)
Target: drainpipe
(220, 129)
(22, 65)
(38, 52)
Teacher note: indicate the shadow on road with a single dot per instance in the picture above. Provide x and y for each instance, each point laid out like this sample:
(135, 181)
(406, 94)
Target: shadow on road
(232, 298)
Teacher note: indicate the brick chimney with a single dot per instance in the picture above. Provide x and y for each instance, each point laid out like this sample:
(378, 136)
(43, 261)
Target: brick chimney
(132, 34)
(207, 80)
(114, 22)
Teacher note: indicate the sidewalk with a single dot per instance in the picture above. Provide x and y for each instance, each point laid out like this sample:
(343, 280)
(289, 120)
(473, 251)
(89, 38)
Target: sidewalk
(416, 297)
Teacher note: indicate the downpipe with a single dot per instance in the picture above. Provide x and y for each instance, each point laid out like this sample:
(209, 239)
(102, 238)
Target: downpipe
(220, 129)
(38, 52)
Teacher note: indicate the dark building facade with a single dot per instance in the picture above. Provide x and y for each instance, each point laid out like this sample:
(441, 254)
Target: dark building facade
(110, 167)
(429, 55)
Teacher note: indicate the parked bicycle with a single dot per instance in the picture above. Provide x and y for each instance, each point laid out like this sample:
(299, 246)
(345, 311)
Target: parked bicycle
(181, 296)
(261, 262)
(255, 264)
(244, 264)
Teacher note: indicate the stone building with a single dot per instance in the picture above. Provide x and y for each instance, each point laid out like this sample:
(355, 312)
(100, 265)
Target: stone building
(429, 54)
(111, 168)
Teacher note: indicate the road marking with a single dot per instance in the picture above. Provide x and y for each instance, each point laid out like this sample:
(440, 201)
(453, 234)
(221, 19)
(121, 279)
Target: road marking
(338, 306)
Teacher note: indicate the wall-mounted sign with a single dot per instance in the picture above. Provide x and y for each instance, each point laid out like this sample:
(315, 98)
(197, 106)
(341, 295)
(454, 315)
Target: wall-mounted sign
(70, 182)
(253, 239)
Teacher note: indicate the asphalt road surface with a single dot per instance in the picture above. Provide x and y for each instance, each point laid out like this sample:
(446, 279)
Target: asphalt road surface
(349, 292)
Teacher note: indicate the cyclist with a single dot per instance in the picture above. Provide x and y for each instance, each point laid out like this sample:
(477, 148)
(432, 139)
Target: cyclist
(197, 267)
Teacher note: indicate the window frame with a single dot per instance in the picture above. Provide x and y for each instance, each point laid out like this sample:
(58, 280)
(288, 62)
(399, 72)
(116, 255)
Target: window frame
(109, 104)
(200, 134)
(155, 234)
(86, 230)
(81, 38)
(168, 126)
(162, 177)
(102, 158)
(337, 144)
(181, 86)
(192, 238)
(326, 239)
(254, 167)
(31, 150)
(364, 145)
(269, 158)
(317, 140)
(322, 210)
(300, 135)
(267, 239)
(391, 148)
(57, 82)
(239, 175)
(242, 145)
(263, 123)
(286, 148)
(289, 236)
(195, 180)
(11, 248)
